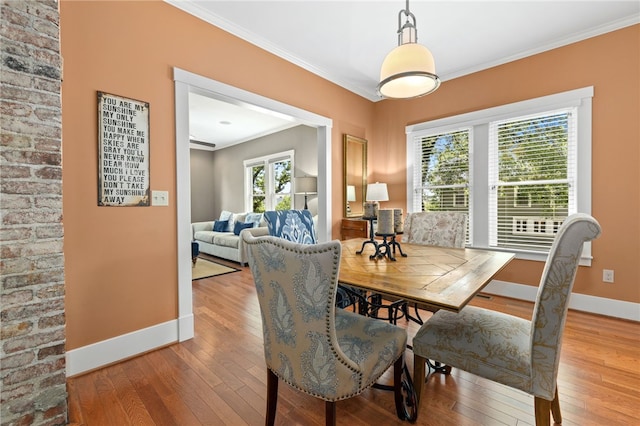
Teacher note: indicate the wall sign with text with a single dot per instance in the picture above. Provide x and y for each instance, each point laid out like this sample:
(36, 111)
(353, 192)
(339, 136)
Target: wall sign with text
(123, 151)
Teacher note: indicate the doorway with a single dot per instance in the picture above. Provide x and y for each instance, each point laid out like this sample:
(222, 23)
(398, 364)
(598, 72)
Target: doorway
(185, 83)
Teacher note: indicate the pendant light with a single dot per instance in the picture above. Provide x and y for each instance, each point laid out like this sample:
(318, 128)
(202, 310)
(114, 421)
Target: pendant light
(409, 70)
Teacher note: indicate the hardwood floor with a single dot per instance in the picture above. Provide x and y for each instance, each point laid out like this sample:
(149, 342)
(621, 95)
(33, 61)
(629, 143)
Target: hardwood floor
(219, 376)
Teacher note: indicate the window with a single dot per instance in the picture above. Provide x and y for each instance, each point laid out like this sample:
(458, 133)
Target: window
(443, 178)
(528, 166)
(268, 182)
(531, 178)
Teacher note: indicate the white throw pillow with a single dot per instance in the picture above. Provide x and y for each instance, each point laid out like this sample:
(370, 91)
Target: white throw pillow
(227, 215)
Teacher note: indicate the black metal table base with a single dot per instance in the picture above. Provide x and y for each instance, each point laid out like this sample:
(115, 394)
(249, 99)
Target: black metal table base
(407, 409)
(371, 305)
(438, 367)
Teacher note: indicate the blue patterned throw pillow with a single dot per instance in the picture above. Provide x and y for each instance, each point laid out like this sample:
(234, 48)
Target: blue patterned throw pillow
(220, 225)
(239, 226)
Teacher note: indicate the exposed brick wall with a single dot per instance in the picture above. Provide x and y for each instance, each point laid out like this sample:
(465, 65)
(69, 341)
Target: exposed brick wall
(33, 388)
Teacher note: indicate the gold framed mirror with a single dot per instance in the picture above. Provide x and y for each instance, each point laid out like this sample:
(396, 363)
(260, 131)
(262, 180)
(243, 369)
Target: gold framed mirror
(355, 175)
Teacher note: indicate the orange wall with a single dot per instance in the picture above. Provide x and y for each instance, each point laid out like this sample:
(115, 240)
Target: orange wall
(120, 262)
(610, 63)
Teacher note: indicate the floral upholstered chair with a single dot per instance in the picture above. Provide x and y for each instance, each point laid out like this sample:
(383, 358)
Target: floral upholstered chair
(506, 349)
(329, 353)
(297, 226)
(443, 229)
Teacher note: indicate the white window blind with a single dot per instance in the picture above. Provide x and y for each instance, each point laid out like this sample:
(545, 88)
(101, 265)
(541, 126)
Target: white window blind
(443, 177)
(532, 170)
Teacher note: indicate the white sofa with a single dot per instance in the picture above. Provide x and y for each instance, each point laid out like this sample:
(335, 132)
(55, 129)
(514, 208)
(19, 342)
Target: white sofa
(225, 244)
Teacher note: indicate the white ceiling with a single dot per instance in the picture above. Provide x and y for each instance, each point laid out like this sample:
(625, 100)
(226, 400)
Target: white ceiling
(224, 124)
(346, 41)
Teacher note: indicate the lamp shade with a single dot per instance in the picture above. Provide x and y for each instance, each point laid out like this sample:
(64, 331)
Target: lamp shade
(306, 185)
(351, 193)
(377, 192)
(408, 71)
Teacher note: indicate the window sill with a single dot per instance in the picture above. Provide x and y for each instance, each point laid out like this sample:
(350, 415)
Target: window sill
(532, 255)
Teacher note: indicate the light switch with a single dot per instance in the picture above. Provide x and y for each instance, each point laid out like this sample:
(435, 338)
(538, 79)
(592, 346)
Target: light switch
(159, 198)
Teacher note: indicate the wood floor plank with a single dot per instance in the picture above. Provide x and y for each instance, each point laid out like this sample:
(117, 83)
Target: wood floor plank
(74, 403)
(112, 404)
(166, 407)
(187, 384)
(248, 413)
(219, 376)
(130, 400)
(89, 410)
(198, 365)
(150, 391)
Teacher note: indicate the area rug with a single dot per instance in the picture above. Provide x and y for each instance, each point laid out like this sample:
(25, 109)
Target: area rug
(205, 269)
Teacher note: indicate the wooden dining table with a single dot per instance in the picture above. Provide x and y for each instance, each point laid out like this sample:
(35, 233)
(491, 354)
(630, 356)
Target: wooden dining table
(428, 277)
(432, 277)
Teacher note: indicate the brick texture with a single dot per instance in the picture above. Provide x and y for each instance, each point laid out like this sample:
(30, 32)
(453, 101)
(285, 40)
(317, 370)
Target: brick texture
(32, 320)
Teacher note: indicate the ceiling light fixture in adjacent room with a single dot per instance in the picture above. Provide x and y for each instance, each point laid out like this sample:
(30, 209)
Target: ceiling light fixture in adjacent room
(409, 70)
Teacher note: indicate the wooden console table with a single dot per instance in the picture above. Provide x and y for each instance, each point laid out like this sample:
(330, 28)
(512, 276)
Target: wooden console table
(354, 228)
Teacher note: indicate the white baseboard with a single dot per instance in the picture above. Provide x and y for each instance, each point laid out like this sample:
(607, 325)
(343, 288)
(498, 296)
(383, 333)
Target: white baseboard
(116, 349)
(186, 328)
(579, 302)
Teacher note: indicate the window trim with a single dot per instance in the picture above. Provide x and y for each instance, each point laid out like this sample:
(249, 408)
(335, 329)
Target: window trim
(479, 121)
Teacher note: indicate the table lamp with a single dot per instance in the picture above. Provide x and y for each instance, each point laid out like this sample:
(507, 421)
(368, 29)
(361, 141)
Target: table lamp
(306, 185)
(376, 192)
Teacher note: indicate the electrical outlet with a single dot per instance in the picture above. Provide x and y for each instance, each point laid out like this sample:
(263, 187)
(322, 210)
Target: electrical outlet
(159, 198)
(607, 275)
